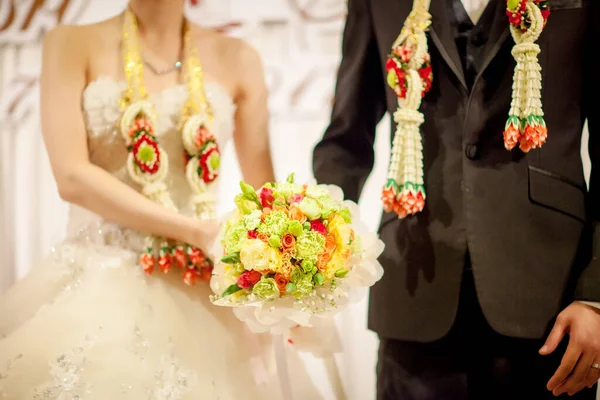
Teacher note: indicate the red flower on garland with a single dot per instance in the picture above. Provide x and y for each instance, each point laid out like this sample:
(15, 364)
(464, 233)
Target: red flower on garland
(146, 153)
(147, 261)
(396, 77)
(210, 160)
(388, 197)
(164, 262)
(206, 274)
(191, 276)
(140, 125)
(180, 257)
(203, 136)
(516, 15)
(197, 257)
(426, 74)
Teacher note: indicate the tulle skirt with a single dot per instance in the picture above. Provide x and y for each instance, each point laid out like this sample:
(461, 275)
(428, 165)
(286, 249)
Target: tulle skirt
(88, 324)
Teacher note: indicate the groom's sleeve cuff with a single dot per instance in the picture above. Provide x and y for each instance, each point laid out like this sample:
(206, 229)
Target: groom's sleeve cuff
(591, 303)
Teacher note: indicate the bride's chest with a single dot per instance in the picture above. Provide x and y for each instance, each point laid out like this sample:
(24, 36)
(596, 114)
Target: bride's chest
(102, 111)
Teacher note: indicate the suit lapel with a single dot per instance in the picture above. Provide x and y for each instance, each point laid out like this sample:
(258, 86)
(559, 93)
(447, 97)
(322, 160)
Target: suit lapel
(499, 33)
(443, 37)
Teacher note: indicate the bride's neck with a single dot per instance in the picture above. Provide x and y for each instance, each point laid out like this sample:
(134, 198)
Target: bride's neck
(159, 21)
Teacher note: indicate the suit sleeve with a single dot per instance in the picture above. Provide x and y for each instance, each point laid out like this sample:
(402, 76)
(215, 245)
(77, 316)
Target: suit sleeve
(588, 286)
(344, 156)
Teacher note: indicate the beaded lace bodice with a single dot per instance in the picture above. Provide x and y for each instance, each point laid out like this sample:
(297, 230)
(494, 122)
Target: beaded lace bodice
(107, 149)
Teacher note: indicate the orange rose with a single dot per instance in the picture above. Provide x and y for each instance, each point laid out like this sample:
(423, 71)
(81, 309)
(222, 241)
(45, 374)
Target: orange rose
(330, 244)
(263, 237)
(323, 260)
(281, 282)
(297, 215)
(288, 241)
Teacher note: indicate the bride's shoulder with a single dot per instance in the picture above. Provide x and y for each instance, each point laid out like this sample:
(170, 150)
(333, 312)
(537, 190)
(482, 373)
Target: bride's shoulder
(76, 39)
(229, 50)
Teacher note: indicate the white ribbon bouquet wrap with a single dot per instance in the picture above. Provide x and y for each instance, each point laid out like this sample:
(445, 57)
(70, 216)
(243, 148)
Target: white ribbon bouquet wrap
(290, 254)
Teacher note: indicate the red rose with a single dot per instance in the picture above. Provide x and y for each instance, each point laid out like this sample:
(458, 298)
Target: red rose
(318, 227)
(266, 197)
(248, 279)
(252, 234)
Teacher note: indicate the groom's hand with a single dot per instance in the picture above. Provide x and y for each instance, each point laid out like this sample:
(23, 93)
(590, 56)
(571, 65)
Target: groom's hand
(582, 323)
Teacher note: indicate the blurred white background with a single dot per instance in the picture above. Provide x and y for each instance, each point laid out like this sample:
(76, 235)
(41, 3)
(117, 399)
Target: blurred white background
(300, 43)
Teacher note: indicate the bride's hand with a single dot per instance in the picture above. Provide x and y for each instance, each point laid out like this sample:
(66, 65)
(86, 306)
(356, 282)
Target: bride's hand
(204, 234)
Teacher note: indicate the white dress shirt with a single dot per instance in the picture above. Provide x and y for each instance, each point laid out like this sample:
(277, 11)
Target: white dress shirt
(475, 8)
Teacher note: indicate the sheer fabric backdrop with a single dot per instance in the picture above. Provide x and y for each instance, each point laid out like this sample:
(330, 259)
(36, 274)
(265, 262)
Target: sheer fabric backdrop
(300, 44)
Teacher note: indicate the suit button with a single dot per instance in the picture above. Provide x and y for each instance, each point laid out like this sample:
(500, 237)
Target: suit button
(471, 151)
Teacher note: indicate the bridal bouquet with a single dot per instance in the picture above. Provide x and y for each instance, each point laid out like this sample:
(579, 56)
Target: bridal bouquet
(291, 253)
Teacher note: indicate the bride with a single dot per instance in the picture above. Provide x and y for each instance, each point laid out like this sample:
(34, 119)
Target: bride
(134, 112)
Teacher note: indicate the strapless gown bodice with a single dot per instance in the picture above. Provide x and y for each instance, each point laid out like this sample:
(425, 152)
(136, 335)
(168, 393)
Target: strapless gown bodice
(107, 149)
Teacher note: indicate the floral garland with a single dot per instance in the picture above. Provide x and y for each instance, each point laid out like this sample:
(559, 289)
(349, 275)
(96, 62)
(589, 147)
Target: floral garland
(525, 125)
(148, 162)
(410, 75)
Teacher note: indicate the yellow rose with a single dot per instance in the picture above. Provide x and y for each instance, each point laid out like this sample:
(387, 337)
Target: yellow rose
(340, 230)
(338, 262)
(259, 256)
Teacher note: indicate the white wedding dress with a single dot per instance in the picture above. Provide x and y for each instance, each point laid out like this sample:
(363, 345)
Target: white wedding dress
(88, 324)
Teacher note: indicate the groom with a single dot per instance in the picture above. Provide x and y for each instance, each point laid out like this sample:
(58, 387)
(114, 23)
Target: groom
(488, 292)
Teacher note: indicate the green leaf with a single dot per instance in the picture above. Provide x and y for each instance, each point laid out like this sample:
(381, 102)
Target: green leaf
(291, 177)
(231, 258)
(249, 193)
(231, 290)
(341, 273)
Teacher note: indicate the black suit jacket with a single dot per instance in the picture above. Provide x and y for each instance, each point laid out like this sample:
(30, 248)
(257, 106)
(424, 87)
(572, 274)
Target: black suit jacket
(521, 218)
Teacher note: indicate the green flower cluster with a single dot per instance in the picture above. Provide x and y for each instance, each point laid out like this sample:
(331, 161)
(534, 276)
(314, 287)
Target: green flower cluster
(309, 245)
(275, 224)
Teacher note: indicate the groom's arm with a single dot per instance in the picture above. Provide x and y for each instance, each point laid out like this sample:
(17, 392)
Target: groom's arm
(344, 157)
(588, 287)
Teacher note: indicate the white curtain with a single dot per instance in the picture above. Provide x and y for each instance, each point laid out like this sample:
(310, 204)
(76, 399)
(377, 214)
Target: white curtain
(300, 43)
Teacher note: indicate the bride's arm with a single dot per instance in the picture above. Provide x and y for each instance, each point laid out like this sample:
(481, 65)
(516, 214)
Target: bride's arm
(252, 118)
(79, 181)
